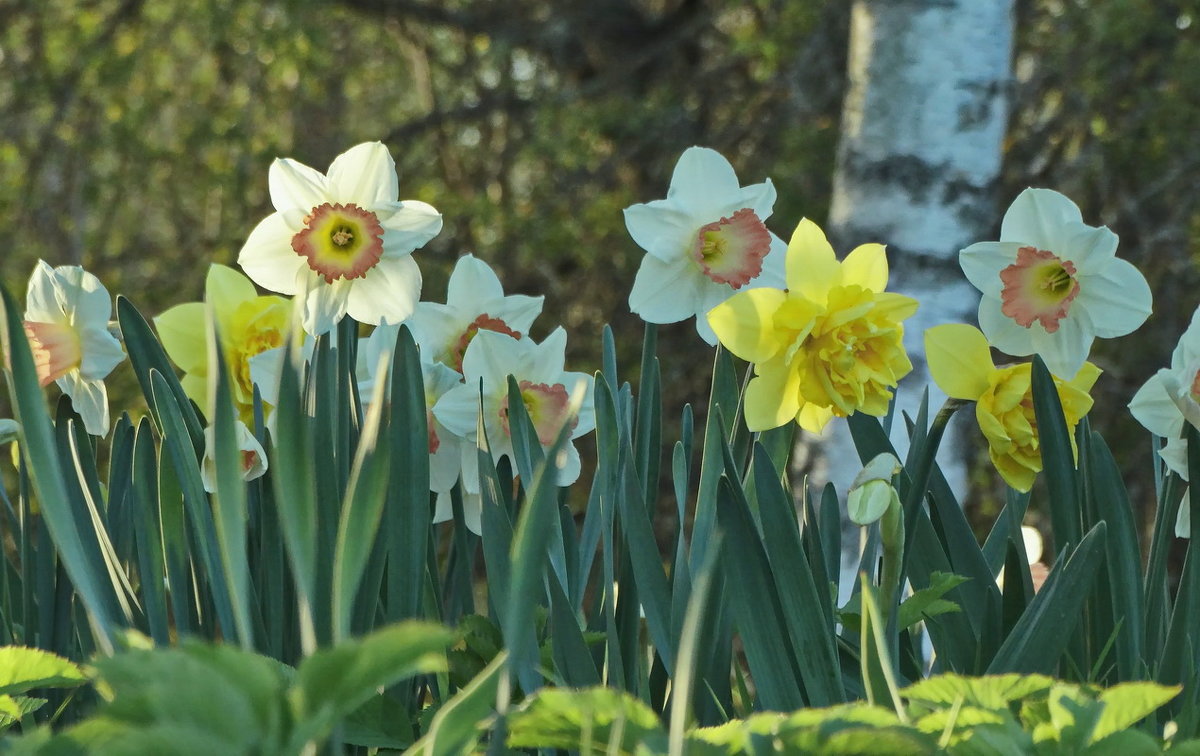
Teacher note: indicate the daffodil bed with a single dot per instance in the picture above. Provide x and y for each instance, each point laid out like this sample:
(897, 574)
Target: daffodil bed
(259, 563)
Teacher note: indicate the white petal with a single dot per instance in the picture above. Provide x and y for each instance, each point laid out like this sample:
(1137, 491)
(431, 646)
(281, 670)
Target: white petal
(266, 368)
(443, 511)
(436, 329)
(1066, 349)
(473, 512)
(492, 356)
(1037, 217)
(982, 262)
(586, 421)
(41, 297)
(268, 258)
(458, 411)
(546, 359)
(472, 281)
(445, 464)
(86, 297)
(324, 304)
(1174, 453)
(101, 353)
(387, 293)
(774, 269)
(1153, 407)
(408, 226)
(666, 292)
(1183, 520)
(567, 465)
(1089, 247)
(365, 175)
(758, 197)
(295, 186)
(1002, 332)
(90, 400)
(1118, 298)
(517, 310)
(663, 228)
(711, 295)
(702, 181)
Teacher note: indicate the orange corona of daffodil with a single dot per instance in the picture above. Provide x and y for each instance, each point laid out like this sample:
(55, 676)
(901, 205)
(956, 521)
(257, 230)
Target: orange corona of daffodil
(830, 344)
(960, 362)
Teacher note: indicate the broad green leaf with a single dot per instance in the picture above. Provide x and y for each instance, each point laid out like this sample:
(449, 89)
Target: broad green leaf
(23, 669)
(234, 695)
(593, 721)
(456, 727)
(1128, 703)
(988, 692)
(928, 602)
(334, 682)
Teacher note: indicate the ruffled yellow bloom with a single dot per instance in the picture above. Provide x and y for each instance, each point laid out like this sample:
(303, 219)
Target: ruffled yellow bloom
(248, 325)
(960, 362)
(831, 344)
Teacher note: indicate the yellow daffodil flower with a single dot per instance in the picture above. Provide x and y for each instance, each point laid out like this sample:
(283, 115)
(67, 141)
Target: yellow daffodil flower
(248, 325)
(830, 344)
(960, 362)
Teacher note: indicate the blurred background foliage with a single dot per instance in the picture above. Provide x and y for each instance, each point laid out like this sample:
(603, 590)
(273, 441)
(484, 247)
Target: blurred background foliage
(135, 137)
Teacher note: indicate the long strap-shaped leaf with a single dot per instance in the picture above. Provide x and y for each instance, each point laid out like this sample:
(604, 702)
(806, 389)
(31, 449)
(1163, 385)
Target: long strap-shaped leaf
(37, 442)
(1036, 643)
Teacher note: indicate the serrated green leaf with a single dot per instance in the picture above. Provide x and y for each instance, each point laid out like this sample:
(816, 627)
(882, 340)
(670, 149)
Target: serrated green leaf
(23, 669)
(927, 602)
(988, 692)
(592, 721)
(333, 682)
(1128, 703)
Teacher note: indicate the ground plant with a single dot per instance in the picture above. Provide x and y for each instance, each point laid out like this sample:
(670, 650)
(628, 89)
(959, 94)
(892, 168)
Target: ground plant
(350, 520)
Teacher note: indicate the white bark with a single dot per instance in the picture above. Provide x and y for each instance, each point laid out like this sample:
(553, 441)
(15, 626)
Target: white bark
(924, 118)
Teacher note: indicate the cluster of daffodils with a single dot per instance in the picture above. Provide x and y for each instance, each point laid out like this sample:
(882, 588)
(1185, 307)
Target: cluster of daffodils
(1050, 286)
(824, 336)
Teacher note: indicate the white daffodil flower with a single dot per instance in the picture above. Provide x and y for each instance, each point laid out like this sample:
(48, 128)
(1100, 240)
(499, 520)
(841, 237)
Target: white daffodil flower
(1170, 398)
(445, 447)
(475, 301)
(66, 319)
(545, 388)
(704, 242)
(342, 240)
(1052, 284)
(254, 457)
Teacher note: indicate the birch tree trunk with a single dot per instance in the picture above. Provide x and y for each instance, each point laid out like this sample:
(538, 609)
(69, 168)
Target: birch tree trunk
(924, 117)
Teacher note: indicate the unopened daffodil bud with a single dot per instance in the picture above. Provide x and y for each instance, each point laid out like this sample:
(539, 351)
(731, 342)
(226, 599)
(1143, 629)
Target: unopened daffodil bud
(872, 493)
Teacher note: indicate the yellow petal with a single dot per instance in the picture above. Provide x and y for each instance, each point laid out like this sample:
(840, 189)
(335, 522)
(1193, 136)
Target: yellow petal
(960, 360)
(181, 331)
(867, 267)
(812, 268)
(225, 289)
(773, 397)
(813, 418)
(1085, 378)
(745, 324)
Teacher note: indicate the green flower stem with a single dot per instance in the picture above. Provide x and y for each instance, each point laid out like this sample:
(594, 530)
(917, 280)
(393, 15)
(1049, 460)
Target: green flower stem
(891, 531)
